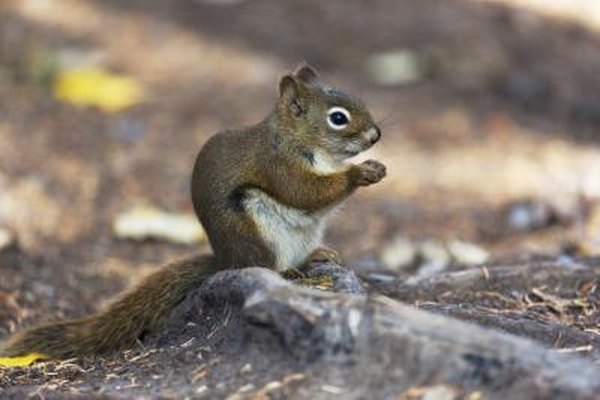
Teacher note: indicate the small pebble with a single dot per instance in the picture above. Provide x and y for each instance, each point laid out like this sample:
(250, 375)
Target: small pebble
(399, 254)
(246, 369)
(427, 270)
(6, 238)
(395, 68)
(201, 389)
(589, 245)
(128, 129)
(440, 392)
(528, 216)
(434, 252)
(246, 388)
(332, 389)
(467, 253)
(381, 277)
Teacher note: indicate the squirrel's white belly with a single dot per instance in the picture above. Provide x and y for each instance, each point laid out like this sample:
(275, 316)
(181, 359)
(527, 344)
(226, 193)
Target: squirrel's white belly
(292, 234)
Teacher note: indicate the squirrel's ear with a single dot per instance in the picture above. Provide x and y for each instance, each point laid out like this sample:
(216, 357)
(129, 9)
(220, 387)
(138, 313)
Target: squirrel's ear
(290, 93)
(288, 88)
(306, 74)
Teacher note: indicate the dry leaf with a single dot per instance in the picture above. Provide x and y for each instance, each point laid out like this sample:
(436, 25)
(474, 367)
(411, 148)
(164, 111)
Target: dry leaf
(21, 361)
(144, 222)
(95, 87)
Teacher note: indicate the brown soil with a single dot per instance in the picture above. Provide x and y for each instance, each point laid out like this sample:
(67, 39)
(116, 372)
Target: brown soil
(508, 112)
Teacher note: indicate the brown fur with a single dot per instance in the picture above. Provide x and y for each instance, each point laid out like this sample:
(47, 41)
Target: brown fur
(277, 158)
(123, 322)
(271, 156)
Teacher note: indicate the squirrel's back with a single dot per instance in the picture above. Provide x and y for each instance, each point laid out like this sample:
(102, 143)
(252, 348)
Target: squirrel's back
(225, 169)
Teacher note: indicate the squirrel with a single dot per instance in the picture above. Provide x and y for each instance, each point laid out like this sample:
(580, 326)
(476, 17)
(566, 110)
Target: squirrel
(263, 195)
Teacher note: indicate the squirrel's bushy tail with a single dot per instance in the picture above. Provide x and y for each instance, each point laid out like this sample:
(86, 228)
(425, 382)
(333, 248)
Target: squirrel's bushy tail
(123, 322)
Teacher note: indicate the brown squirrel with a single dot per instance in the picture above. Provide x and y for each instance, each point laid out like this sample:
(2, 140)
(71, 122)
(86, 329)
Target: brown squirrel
(263, 194)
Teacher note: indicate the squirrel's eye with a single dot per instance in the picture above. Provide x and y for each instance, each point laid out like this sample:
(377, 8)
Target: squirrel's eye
(338, 118)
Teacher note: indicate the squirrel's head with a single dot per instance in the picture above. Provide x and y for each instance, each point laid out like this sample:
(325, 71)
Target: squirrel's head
(323, 117)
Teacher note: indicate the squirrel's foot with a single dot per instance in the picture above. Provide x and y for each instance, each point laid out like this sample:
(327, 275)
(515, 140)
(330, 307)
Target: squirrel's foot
(317, 258)
(322, 255)
(324, 269)
(292, 274)
(369, 172)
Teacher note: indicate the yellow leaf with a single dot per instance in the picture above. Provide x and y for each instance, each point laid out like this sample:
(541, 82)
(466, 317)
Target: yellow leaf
(95, 87)
(21, 361)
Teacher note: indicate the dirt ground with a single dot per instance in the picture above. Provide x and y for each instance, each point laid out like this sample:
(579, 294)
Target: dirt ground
(503, 121)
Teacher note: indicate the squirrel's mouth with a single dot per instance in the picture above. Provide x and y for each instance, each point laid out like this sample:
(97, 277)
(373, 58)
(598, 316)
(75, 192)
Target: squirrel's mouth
(361, 142)
(356, 147)
(351, 153)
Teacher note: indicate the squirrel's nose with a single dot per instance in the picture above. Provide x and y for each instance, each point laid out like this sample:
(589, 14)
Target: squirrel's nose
(373, 135)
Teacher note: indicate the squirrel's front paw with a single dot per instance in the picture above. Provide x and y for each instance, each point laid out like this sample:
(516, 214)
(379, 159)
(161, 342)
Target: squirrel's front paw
(324, 254)
(369, 172)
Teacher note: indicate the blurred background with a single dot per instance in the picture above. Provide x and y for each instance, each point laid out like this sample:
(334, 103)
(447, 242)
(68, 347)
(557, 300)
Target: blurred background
(490, 112)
